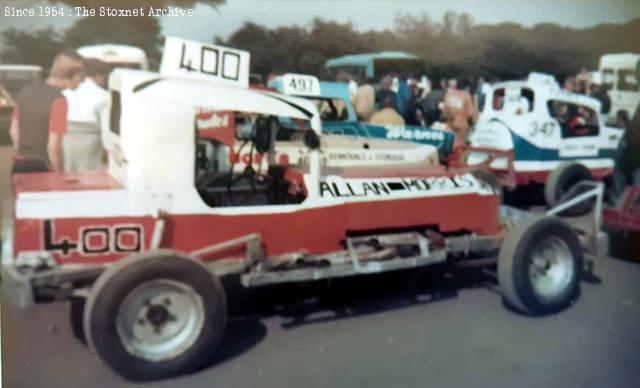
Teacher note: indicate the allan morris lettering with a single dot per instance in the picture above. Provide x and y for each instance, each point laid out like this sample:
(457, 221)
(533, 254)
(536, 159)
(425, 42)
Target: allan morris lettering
(352, 189)
(341, 189)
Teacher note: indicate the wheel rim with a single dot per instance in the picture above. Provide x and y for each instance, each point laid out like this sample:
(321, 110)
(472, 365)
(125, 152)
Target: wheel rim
(160, 319)
(551, 268)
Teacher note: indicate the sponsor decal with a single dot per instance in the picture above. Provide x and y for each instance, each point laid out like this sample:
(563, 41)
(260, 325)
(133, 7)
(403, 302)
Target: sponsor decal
(216, 125)
(403, 133)
(365, 156)
(95, 240)
(207, 120)
(392, 187)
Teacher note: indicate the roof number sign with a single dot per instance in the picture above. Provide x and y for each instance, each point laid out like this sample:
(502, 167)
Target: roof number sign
(300, 85)
(189, 59)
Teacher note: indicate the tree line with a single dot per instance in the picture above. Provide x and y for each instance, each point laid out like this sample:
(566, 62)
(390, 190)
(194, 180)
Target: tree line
(453, 46)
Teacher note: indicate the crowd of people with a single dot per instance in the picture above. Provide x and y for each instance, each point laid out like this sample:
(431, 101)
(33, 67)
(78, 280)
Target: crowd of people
(445, 104)
(454, 105)
(56, 122)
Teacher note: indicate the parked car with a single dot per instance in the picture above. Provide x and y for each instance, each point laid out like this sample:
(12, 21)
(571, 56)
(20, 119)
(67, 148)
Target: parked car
(14, 77)
(142, 248)
(619, 73)
(542, 133)
(116, 55)
(334, 98)
(376, 65)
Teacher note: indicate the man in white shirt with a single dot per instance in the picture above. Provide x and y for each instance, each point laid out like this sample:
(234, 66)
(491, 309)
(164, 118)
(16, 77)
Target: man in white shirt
(87, 105)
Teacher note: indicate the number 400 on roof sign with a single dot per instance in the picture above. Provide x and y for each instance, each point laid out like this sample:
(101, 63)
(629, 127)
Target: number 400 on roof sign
(189, 59)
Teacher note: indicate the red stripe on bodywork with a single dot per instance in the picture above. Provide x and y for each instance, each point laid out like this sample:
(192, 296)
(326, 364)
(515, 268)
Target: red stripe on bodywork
(524, 178)
(313, 230)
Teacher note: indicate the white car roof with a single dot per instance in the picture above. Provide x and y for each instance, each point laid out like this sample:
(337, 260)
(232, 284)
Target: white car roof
(549, 92)
(21, 67)
(621, 59)
(113, 53)
(189, 94)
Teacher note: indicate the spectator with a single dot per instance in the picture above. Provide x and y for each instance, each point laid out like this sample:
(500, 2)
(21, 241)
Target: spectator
(582, 79)
(599, 93)
(365, 100)
(459, 110)
(39, 120)
(627, 161)
(482, 89)
(431, 103)
(345, 77)
(415, 114)
(388, 114)
(424, 85)
(403, 97)
(569, 84)
(385, 91)
(87, 105)
(443, 85)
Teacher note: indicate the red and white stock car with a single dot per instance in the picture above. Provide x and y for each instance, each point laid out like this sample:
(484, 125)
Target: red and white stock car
(144, 246)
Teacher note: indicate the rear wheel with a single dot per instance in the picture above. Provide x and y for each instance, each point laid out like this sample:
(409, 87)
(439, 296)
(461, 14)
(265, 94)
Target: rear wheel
(562, 181)
(539, 266)
(155, 317)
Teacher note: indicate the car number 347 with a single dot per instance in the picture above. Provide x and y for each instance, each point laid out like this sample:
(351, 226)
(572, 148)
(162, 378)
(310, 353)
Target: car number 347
(544, 129)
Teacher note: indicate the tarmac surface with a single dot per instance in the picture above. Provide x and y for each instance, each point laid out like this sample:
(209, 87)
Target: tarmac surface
(436, 329)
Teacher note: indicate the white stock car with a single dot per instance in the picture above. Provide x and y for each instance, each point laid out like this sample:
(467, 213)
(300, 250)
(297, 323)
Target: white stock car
(544, 135)
(142, 249)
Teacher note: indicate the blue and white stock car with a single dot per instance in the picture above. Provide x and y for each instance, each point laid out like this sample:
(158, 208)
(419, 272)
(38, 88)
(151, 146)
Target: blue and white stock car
(556, 138)
(339, 117)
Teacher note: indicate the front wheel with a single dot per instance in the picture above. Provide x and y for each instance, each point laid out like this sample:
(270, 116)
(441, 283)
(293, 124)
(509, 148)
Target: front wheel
(539, 266)
(156, 316)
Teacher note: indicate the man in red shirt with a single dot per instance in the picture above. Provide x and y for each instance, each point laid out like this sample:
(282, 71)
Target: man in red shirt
(40, 116)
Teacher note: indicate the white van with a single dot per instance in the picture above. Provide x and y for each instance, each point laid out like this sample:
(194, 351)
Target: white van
(14, 77)
(116, 55)
(619, 77)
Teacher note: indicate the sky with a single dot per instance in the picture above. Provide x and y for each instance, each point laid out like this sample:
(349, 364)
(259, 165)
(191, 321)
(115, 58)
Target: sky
(208, 22)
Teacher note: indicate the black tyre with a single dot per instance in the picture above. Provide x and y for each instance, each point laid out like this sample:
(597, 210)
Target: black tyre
(561, 181)
(155, 316)
(76, 317)
(539, 266)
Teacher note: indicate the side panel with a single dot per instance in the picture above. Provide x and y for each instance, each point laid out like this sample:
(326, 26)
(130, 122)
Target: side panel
(321, 230)
(313, 230)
